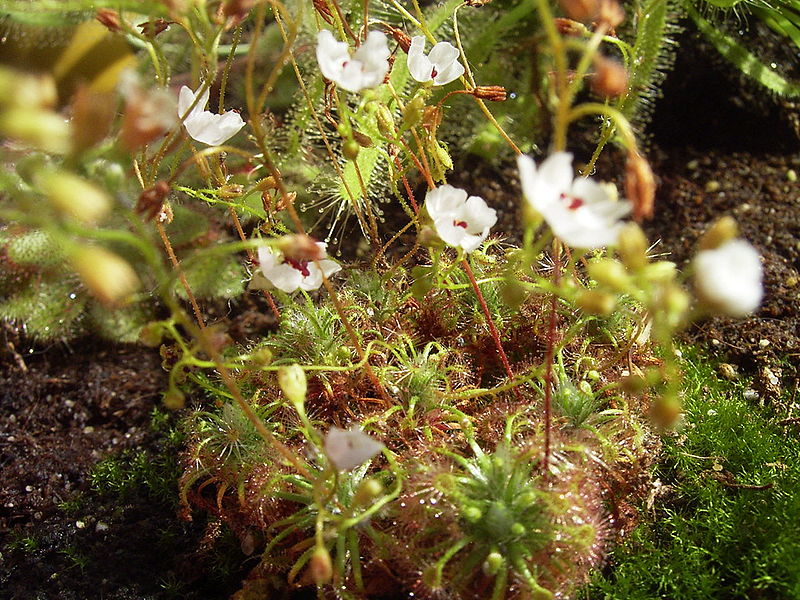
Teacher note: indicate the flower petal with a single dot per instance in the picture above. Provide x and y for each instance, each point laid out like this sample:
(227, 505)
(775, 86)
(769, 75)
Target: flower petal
(443, 54)
(419, 65)
(449, 73)
(478, 216)
(348, 449)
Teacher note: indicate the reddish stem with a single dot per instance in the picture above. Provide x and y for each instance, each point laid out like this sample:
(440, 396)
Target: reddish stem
(548, 378)
(492, 328)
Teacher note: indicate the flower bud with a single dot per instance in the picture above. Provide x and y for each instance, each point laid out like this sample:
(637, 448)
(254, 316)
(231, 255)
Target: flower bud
(174, 399)
(595, 302)
(320, 567)
(350, 149)
(640, 185)
(610, 273)
(570, 27)
(155, 27)
(385, 121)
(261, 357)
(92, 114)
(581, 10)
(493, 93)
(107, 276)
(662, 271)
(632, 384)
(292, 380)
(109, 18)
(493, 563)
(610, 14)
(367, 491)
(513, 293)
(148, 114)
(610, 78)
(44, 130)
(412, 113)
(151, 200)
(676, 304)
(666, 411)
(151, 334)
(27, 91)
(74, 197)
(363, 140)
(723, 230)
(632, 247)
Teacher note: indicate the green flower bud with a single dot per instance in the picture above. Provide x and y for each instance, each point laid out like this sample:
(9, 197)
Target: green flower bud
(350, 149)
(632, 247)
(367, 491)
(174, 399)
(45, 130)
(723, 230)
(412, 113)
(320, 566)
(75, 197)
(385, 121)
(595, 302)
(151, 334)
(661, 271)
(292, 380)
(610, 273)
(261, 357)
(472, 514)
(107, 276)
(493, 563)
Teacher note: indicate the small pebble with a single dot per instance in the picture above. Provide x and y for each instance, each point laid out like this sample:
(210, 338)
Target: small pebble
(728, 371)
(750, 395)
(711, 412)
(28, 488)
(88, 429)
(101, 526)
(763, 343)
(712, 186)
(791, 175)
(80, 524)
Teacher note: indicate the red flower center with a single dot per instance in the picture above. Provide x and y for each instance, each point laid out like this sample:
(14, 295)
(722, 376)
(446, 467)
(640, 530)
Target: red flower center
(571, 202)
(460, 224)
(434, 73)
(300, 265)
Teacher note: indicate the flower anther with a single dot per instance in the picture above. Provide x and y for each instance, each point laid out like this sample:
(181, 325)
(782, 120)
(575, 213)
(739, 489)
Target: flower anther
(203, 125)
(460, 221)
(578, 210)
(366, 68)
(440, 66)
(290, 274)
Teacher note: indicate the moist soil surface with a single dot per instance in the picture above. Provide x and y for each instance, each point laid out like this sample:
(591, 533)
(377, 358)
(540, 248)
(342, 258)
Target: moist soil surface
(66, 407)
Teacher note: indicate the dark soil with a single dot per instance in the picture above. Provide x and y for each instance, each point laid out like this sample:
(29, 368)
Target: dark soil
(64, 408)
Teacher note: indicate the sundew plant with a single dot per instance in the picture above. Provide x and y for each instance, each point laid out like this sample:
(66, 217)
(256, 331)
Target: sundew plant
(444, 398)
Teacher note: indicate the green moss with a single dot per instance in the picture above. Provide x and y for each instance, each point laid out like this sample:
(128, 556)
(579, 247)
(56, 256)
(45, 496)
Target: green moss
(728, 529)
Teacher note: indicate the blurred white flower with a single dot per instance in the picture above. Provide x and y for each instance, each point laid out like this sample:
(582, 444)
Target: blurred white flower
(728, 278)
(440, 66)
(205, 126)
(460, 221)
(365, 69)
(290, 274)
(348, 449)
(578, 210)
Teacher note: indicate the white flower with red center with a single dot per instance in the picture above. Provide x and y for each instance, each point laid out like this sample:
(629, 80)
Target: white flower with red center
(291, 274)
(578, 210)
(365, 69)
(205, 126)
(440, 66)
(729, 278)
(348, 449)
(461, 221)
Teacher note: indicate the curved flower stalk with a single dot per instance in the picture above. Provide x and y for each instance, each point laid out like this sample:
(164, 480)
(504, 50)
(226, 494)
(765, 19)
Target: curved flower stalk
(292, 274)
(460, 221)
(578, 210)
(729, 278)
(365, 69)
(440, 66)
(203, 125)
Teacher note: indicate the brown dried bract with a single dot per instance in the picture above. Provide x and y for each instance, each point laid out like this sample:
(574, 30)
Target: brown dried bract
(640, 185)
(493, 93)
(109, 18)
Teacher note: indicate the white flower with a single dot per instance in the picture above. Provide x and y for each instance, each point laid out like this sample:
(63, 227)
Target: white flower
(348, 449)
(578, 210)
(460, 221)
(728, 278)
(440, 66)
(205, 126)
(288, 274)
(365, 69)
